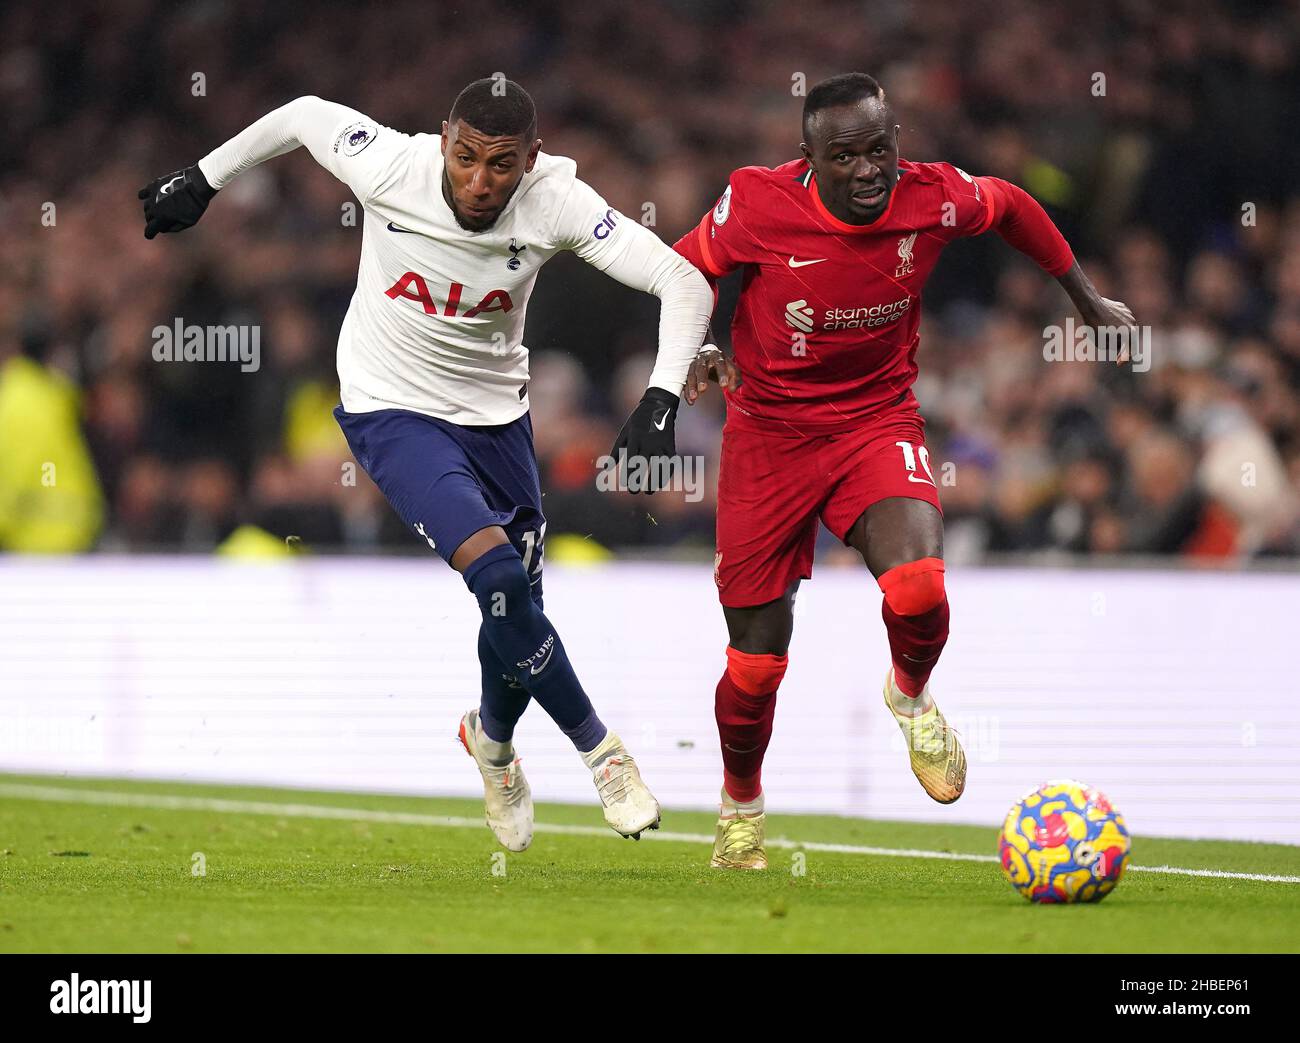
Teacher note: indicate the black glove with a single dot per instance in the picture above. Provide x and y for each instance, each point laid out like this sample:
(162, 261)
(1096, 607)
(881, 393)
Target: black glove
(648, 434)
(175, 201)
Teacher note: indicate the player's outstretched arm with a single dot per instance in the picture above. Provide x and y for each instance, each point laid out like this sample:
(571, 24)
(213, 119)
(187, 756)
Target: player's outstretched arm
(1023, 223)
(644, 262)
(636, 257)
(1095, 309)
(176, 201)
(686, 302)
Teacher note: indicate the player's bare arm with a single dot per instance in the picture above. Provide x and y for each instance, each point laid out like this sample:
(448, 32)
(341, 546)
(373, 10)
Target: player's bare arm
(1095, 310)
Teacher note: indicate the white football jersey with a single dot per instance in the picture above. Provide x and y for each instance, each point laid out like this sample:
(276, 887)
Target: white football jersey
(437, 320)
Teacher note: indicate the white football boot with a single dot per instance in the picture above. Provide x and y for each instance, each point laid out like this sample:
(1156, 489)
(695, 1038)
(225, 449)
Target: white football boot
(507, 800)
(629, 805)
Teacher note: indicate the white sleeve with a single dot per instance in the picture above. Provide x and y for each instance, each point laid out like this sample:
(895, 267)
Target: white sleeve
(351, 146)
(633, 255)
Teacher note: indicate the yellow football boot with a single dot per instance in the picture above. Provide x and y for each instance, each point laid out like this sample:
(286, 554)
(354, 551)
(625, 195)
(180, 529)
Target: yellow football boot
(938, 761)
(738, 843)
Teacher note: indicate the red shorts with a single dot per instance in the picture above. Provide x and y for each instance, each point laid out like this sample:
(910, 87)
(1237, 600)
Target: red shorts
(773, 488)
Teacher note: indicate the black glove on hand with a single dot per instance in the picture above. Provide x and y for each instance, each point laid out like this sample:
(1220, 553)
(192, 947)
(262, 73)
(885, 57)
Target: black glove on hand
(175, 201)
(647, 435)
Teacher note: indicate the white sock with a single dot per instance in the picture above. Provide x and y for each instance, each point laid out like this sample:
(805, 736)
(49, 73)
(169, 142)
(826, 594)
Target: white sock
(909, 706)
(606, 747)
(498, 754)
(748, 809)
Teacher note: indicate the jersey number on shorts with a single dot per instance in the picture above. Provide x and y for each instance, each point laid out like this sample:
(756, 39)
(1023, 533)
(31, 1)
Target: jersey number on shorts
(533, 541)
(910, 454)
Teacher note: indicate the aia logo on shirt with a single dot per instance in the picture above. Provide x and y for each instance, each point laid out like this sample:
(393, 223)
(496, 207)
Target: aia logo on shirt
(414, 287)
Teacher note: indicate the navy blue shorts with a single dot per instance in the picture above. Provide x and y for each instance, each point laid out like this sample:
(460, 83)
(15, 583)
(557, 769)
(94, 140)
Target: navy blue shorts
(447, 481)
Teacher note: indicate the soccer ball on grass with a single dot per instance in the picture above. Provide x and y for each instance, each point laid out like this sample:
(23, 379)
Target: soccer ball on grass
(1064, 842)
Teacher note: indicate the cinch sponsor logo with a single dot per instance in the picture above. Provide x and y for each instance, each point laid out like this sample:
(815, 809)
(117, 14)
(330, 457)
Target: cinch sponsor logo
(75, 996)
(606, 224)
(799, 315)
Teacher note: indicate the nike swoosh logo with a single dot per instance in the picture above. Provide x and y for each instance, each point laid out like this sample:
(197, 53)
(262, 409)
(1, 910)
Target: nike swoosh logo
(663, 421)
(166, 189)
(920, 481)
(393, 228)
(535, 670)
(804, 264)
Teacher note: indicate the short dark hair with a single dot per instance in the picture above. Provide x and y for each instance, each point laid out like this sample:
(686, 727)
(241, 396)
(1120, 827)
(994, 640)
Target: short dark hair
(496, 107)
(844, 89)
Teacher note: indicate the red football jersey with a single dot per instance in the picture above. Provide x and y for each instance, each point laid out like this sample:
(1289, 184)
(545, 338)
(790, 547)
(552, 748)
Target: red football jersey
(825, 331)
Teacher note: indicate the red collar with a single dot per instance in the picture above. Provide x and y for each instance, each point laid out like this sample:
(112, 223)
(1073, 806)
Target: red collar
(844, 226)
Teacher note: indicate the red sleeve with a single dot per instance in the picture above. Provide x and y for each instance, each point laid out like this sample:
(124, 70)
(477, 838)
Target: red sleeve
(694, 246)
(722, 241)
(1017, 217)
(967, 208)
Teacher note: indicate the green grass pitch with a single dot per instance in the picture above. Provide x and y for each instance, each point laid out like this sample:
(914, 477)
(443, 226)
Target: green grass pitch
(406, 874)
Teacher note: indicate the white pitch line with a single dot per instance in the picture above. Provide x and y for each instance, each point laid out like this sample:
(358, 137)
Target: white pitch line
(1267, 878)
(169, 802)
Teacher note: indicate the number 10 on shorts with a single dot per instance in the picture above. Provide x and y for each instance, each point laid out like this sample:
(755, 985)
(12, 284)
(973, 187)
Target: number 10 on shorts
(910, 454)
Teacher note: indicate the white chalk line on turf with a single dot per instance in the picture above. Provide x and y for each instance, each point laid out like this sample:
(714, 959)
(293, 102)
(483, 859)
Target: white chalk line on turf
(171, 802)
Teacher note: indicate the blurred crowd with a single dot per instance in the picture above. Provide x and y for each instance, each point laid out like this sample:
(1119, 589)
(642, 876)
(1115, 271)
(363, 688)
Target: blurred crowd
(1160, 136)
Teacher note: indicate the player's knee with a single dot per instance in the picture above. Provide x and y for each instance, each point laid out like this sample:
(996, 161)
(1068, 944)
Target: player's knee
(499, 581)
(914, 588)
(755, 674)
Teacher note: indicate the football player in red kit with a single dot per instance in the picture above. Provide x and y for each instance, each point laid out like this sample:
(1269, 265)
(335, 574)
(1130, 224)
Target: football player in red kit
(835, 248)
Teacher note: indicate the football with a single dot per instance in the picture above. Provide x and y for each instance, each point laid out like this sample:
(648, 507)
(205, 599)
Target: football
(1065, 842)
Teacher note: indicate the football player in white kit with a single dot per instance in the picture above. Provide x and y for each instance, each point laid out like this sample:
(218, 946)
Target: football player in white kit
(434, 377)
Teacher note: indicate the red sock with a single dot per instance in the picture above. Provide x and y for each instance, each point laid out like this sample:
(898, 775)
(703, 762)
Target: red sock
(916, 618)
(744, 706)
